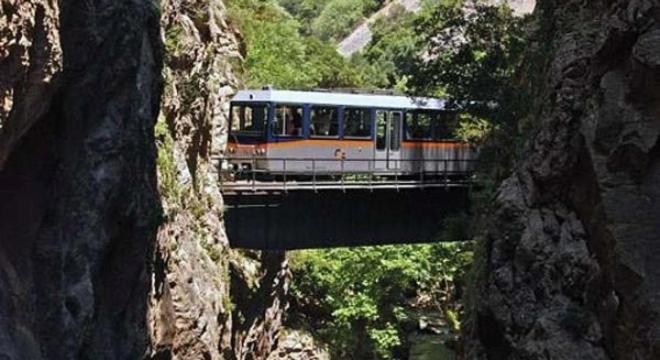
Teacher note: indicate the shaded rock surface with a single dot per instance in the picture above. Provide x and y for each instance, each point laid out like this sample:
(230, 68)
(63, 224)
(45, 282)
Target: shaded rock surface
(85, 272)
(80, 85)
(209, 301)
(31, 57)
(299, 345)
(570, 251)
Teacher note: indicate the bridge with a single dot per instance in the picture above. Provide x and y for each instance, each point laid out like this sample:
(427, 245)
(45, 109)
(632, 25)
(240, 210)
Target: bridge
(333, 202)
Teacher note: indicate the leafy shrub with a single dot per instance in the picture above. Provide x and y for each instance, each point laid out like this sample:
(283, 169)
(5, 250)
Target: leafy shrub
(338, 19)
(356, 297)
(304, 11)
(392, 51)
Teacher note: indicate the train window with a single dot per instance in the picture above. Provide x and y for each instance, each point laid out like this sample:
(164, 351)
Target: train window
(357, 123)
(381, 129)
(420, 125)
(410, 118)
(288, 120)
(446, 121)
(395, 130)
(249, 118)
(324, 122)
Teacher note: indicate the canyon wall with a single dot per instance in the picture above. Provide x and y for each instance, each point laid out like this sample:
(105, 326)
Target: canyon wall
(111, 232)
(209, 301)
(567, 265)
(80, 88)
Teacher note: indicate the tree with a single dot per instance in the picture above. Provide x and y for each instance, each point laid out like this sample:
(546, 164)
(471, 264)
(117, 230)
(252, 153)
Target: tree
(304, 11)
(472, 56)
(394, 46)
(276, 54)
(471, 51)
(279, 54)
(338, 19)
(358, 297)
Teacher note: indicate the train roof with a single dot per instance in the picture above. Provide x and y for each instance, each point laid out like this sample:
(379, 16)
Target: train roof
(338, 99)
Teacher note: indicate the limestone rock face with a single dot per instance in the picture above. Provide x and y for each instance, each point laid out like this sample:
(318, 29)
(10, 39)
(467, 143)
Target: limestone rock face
(522, 7)
(208, 301)
(84, 270)
(570, 252)
(80, 85)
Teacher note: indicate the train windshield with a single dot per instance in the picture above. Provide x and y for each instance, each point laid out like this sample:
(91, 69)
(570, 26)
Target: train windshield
(249, 120)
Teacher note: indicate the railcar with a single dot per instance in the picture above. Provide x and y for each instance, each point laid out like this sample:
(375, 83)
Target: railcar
(283, 132)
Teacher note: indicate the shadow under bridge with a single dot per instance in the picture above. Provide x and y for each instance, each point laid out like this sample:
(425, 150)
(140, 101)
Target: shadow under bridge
(305, 219)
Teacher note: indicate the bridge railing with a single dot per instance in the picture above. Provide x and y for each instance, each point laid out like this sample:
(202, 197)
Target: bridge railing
(288, 174)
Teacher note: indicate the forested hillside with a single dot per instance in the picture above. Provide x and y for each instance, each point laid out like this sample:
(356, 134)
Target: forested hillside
(282, 50)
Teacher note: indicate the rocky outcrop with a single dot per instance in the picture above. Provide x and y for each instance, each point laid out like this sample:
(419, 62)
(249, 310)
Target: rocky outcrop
(299, 345)
(190, 305)
(359, 38)
(84, 271)
(568, 264)
(520, 7)
(208, 301)
(31, 60)
(80, 87)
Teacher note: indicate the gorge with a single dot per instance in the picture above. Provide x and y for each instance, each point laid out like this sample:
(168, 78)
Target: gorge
(112, 243)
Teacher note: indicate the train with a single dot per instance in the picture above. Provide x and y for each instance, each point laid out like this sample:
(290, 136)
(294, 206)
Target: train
(276, 132)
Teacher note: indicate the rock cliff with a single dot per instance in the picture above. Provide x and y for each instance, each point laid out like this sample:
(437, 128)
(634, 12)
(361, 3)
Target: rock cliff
(568, 264)
(80, 88)
(209, 301)
(111, 235)
(31, 60)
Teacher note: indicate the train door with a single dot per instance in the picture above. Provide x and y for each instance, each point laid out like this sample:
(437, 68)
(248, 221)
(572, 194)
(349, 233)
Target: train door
(388, 140)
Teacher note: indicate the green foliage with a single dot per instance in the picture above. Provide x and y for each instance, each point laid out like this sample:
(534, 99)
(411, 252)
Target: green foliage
(276, 55)
(174, 40)
(227, 304)
(214, 251)
(472, 54)
(279, 53)
(472, 57)
(390, 56)
(328, 68)
(304, 11)
(168, 182)
(473, 129)
(358, 295)
(385, 340)
(329, 19)
(338, 19)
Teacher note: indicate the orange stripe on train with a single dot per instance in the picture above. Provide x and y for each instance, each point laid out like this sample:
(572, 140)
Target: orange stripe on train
(433, 144)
